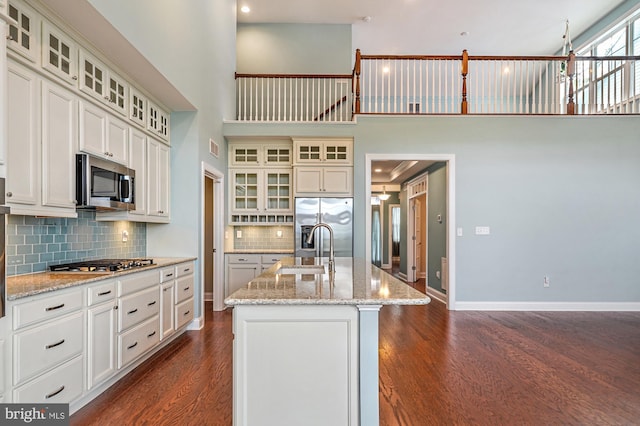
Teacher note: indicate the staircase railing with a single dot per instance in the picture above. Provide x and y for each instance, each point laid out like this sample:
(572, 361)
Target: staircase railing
(459, 84)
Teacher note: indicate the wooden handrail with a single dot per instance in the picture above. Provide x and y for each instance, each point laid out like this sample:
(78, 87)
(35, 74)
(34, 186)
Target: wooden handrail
(331, 108)
(315, 76)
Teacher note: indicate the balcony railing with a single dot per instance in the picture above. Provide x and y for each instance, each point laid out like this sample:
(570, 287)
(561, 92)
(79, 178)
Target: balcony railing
(464, 84)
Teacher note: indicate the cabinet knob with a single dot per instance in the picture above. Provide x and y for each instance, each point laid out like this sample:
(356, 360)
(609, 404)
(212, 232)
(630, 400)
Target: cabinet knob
(9, 38)
(9, 194)
(106, 98)
(75, 77)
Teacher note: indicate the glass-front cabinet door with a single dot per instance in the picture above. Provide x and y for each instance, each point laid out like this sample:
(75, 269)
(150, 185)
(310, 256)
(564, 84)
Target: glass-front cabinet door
(22, 37)
(59, 53)
(278, 190)
(245, 191)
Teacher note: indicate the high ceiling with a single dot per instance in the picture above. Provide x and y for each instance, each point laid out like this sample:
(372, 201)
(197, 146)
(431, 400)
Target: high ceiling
(432, 27)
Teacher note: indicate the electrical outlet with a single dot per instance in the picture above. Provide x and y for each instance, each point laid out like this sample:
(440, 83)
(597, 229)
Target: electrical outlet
(125, 236)
(545, 281)
(483, 230)
(238, 234)
(278, 234)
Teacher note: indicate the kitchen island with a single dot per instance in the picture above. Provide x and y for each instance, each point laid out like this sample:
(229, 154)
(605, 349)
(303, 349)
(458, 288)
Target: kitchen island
(306, 342)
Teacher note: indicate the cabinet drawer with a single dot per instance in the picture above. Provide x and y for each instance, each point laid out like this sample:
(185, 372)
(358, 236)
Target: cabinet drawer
(138, 340)
(270, 259)
(60, 385)
(184, 288)
(185, 269)
(101, 293)
(136, 282)
(137, 307)
(167, 274)
(42, 347)
(243, 258)
(46, 308)
(184, 313)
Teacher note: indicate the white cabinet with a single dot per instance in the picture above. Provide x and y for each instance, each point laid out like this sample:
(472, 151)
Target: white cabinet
(157, 121)
(22, 38)
(158, 179)
(137, 107)
(268, 260)
(167, 318)
(323, 181)
(48, 348)
(98, 81)
(102, 134)
(323, 167)
(42, 143)
(59, 53)
(261, 190)
(184, 291)
(101, 333)
(59, 145)
(272, 154)
(240, 269)
(138, 162)
(23, 137)
(138, 323)
(312, 151)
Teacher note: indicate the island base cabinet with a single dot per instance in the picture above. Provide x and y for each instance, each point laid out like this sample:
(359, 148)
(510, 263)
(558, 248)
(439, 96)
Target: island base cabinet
(295, 365)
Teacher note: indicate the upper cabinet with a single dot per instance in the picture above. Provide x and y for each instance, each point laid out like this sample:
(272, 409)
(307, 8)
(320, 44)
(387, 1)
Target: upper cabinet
(102, 134)
(103, 84)
(22, 38)
(59, 53)
(252, 154)
(325, 152)
(137, 108)
(157, 121)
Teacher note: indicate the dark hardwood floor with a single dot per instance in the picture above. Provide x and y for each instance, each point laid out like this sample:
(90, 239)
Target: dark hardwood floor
(436, 367)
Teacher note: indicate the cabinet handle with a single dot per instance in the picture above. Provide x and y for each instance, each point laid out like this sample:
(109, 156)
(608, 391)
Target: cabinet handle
(9, 194)
(53, 345)
(151, 303)
(242, 260)
(169, 275)
(132, 312)
(104, 293)
(152, 334)
(132, 346)
(9, 38)
(53, 308)
(186, 313)
(52, 394)
(165, 289)
(187, 269)
(186, 288)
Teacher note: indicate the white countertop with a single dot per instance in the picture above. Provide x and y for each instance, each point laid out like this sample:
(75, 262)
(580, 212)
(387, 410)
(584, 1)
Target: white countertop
(355, 282)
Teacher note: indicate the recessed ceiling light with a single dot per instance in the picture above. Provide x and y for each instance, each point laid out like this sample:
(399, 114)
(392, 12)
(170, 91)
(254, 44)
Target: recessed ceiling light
(377, 170)
(464, 33)
(245, 9)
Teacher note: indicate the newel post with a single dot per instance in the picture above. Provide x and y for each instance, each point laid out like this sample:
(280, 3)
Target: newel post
(571, 71)
(356, 71)
(465, 71)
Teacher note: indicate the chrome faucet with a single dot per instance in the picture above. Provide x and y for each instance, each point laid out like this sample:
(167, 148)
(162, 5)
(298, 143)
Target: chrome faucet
(331, 254)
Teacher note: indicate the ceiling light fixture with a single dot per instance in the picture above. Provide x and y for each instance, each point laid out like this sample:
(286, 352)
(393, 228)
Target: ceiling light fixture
(245, 9)
(377, 170)
(384, 196)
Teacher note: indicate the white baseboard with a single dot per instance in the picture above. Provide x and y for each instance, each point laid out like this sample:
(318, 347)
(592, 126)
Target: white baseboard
(548, 306)
(196, 324)
(437, 295)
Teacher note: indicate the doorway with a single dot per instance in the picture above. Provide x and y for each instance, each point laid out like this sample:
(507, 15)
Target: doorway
(446, 223)
(212, 242)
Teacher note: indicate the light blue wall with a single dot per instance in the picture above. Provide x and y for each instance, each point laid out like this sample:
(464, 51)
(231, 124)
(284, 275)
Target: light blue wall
(559, 193)
(294, 49)
(193, 45)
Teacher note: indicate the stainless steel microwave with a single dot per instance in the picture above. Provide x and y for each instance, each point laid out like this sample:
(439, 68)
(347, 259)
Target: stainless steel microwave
(103, 184)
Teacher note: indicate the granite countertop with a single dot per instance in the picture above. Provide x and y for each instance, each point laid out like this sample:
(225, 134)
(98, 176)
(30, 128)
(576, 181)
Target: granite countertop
(355, 282)
(19, 286)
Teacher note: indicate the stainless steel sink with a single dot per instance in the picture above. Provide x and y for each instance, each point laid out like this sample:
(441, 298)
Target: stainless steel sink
(301, 269)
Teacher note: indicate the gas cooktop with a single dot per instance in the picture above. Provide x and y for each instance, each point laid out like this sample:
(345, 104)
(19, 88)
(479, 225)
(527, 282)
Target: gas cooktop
(102, 265)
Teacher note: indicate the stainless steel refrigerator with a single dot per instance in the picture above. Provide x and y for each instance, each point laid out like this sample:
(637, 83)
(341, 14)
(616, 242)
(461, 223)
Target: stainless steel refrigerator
(337, 212)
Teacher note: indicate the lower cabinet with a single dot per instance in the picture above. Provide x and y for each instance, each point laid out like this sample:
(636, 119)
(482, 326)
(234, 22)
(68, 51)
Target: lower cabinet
(101, 333)
(242, 268)
(64, 346)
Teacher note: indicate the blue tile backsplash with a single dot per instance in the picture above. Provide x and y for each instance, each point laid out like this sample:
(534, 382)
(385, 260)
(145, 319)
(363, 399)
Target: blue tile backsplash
(34, 243)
